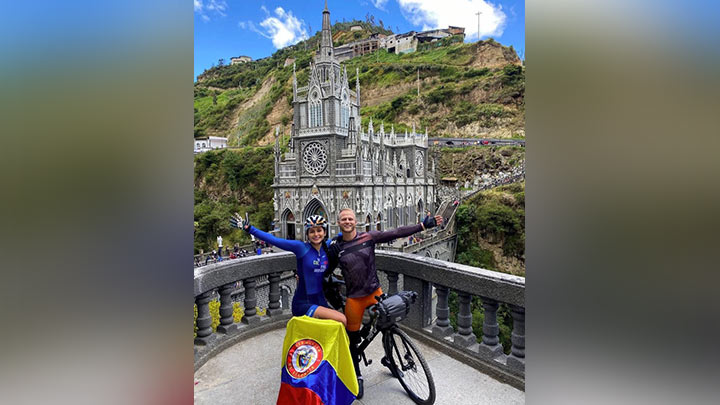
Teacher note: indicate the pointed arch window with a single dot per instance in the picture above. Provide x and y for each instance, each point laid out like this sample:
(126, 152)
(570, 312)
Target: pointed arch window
(316, 118)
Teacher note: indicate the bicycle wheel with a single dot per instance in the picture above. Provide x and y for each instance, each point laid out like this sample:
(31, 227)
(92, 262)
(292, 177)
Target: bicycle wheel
(409, 366)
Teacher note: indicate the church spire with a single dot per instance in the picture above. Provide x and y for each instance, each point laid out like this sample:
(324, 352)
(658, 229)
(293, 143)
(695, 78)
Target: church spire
(326, 45)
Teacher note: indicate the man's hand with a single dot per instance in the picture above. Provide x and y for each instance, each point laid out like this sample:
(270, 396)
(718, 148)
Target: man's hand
(431, 222)
(236, 221)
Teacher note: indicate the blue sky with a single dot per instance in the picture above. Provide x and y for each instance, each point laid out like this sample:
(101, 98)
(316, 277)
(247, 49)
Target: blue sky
(257, 28)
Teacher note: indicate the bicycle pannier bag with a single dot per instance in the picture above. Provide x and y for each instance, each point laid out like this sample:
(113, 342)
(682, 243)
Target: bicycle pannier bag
(395, 308)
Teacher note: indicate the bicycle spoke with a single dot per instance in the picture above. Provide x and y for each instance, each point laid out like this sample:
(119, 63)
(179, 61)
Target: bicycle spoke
(411, 368)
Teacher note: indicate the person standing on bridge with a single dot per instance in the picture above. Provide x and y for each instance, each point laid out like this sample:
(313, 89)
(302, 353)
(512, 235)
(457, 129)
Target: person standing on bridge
(312, 263)
(355, 253)
(219, 250)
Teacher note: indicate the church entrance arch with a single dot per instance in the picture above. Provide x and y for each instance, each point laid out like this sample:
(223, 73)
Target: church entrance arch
(315, 207)
(288, 224)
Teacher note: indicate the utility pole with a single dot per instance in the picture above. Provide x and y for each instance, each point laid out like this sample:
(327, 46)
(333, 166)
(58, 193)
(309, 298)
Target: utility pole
(478, 14)
(418, 83)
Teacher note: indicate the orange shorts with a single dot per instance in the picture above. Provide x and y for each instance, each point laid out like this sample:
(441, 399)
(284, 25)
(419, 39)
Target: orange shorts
(355, 307)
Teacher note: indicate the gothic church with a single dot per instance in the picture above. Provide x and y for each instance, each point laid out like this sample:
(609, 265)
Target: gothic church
(332, 163)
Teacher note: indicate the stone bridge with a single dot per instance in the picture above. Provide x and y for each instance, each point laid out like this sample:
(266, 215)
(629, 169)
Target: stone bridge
(240, 362)
(441, 243)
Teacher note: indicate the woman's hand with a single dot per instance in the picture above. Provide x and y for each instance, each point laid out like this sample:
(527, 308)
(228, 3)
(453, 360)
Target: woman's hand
(236, 221)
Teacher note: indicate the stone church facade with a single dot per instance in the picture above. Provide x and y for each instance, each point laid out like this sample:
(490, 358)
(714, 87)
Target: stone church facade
(333, 163)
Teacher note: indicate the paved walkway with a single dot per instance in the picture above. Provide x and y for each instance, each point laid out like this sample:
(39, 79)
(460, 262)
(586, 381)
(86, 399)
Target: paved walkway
(249, 373)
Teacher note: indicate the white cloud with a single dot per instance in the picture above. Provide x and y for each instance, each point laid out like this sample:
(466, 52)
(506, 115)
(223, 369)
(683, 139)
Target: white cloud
(431, 14)
(379, 4)
(218, 7)
(242, 24)
(284, 30)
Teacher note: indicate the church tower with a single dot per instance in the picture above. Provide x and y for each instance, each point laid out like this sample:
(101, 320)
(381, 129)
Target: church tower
(331, 163)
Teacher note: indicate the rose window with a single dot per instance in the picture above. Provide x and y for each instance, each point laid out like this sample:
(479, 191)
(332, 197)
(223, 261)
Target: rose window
(315, 158)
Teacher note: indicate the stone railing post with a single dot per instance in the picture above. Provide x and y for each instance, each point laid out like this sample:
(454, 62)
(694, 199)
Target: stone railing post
(250, 316)
(490, 344)
(392, 282)
(421, 310)
(465, 336)
(227, 324)
(204, 320)
(516, 359)
(442, 326)
(274, 297)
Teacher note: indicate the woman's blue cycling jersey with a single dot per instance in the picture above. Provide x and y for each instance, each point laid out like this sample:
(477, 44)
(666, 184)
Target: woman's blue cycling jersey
(311, 264)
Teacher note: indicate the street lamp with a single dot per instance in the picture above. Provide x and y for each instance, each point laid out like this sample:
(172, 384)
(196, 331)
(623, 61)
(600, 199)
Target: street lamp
(478, 14)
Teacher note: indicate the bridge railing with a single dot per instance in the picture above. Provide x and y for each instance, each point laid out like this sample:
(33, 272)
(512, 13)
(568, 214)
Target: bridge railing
(420, 274)
(485, 352)
(221, 280)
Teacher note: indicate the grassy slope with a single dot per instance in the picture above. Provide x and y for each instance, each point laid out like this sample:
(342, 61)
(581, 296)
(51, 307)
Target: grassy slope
(466, 90)
(491, 230)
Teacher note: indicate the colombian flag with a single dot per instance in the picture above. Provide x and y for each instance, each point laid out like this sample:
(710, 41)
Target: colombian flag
(317, 368)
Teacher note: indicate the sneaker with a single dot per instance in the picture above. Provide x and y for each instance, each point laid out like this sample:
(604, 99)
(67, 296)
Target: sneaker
(360, 388)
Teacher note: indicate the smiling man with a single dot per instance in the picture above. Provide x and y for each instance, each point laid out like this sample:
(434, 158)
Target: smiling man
(355, 253)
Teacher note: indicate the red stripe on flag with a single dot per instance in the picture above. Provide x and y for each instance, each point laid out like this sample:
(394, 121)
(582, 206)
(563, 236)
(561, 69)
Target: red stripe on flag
(290, 395)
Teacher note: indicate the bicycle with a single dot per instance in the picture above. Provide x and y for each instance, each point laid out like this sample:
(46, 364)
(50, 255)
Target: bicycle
(402, 357)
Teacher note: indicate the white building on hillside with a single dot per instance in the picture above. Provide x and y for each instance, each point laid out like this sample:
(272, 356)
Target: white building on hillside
(206, 143)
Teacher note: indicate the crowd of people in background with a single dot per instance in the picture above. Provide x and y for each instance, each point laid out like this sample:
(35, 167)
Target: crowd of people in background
(225, 253)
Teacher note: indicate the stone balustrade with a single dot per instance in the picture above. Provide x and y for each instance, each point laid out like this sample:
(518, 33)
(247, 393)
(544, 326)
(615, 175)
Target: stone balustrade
(427, 321)
(421, 274)
(221, 279)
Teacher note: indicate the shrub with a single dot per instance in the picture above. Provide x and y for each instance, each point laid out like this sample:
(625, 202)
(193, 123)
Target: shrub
(476, 73)
(441, 94)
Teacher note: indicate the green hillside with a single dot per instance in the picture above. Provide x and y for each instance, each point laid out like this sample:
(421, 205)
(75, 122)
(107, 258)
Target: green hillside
(468, 90)
(491, 230)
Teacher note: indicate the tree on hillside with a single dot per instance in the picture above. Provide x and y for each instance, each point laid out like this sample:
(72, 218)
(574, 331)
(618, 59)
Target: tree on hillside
(221, 62)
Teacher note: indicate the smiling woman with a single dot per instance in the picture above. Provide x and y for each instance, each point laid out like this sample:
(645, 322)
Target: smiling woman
(312, 265)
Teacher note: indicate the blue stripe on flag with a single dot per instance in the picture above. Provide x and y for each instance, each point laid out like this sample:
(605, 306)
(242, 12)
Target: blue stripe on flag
(324, 382)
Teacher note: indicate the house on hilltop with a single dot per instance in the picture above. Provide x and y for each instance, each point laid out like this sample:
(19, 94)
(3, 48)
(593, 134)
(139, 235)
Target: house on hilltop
(361, 47)
(240, 59)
